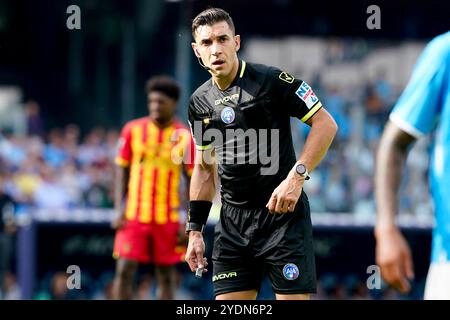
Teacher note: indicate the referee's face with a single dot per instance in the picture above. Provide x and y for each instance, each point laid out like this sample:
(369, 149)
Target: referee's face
(217, 46)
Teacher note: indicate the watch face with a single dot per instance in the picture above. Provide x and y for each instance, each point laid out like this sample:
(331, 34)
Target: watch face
(301, 169)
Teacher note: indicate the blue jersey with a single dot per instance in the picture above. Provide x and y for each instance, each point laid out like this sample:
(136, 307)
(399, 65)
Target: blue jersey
(422, 108)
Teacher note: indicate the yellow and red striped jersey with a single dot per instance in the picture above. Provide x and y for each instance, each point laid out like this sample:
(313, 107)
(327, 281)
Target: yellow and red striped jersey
(157, 158)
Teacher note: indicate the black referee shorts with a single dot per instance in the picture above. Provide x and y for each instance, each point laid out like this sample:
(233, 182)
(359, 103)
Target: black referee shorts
(249, 243)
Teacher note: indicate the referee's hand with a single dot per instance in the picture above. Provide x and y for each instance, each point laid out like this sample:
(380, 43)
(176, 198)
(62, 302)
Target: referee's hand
(285, 196)
(195, 250)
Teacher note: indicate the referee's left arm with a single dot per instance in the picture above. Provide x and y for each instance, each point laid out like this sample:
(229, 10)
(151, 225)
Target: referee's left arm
(300, 101)
(322, 133)
(323, 130)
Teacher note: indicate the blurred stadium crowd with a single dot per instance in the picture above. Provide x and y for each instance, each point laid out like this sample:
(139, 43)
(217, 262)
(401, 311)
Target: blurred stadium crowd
(59, 169)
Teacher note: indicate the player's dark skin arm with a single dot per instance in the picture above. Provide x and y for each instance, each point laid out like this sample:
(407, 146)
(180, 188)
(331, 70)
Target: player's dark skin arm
(393, 254)
(182, 238)
(322, 133)
(120, 190)
(187, 188)
(125, 269)
(203, 187)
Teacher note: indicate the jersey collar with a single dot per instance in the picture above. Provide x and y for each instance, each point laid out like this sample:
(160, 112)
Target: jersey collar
(243, 64)
(239, 75)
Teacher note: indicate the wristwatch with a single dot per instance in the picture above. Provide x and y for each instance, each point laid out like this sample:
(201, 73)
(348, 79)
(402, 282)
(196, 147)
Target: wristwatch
(301, 170)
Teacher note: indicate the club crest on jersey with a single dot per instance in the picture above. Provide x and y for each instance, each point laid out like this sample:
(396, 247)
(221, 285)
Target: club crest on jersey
(290, 271)
(305, 93)
(227, 115)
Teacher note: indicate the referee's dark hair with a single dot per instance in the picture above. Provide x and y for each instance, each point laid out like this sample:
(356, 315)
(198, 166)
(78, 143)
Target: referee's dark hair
(164, 84)
(211, 16)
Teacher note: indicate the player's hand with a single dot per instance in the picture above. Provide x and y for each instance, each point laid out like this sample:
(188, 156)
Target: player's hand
(195, 250)
(182, 238)
(285, 196)
(393, 256)
(118, 222)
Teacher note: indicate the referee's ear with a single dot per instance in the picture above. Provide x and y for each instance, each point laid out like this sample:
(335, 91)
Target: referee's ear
(237, 42)
(194, 47)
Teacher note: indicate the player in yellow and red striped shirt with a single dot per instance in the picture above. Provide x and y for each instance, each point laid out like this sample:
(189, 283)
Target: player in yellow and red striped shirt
(154, 154)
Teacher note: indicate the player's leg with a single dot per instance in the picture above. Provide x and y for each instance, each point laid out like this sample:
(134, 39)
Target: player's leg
(236, 274)
(166, 278)
(289, 253)
(130, 249)
(236, 280)
(299, 296)
(165, 254)
(238, 295)
(123, 280)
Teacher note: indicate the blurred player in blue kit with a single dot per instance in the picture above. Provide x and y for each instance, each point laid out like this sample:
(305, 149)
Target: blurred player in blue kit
(423, 108)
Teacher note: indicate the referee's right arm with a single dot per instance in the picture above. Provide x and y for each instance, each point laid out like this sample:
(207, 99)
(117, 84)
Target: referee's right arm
(202, 189)
(204, 176)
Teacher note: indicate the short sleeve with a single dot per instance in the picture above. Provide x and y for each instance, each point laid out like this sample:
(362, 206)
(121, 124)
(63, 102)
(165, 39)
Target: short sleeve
(189, 159)
(188, 149)
(420, 104)
(124, 151)
(298, 98)
(198, 123)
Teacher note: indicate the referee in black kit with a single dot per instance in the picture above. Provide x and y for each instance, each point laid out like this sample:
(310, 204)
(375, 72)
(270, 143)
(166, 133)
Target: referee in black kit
(241, 118)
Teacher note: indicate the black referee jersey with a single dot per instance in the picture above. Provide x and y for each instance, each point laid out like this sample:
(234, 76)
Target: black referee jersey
(258, 103)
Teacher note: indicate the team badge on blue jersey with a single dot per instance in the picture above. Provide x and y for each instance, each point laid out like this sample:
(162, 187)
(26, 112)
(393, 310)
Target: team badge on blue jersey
(227, 115)
(290, 271)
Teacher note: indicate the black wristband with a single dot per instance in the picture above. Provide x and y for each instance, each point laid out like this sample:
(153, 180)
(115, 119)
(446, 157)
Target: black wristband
(197, 215)
(192, 226)
(199, 211)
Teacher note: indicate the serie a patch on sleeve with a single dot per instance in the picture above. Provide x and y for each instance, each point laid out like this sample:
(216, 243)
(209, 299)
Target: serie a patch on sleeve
(305, 93)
